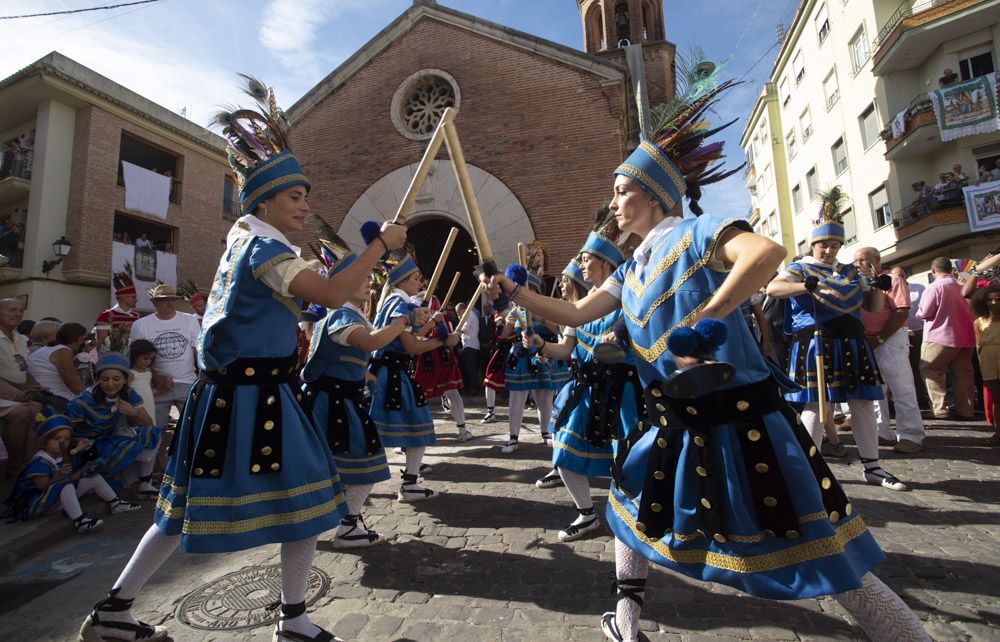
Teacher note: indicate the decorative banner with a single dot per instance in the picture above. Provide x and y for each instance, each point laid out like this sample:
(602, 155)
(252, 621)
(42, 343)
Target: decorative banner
(982, 202)
(145, 190)
(964, 265)
(967, 108)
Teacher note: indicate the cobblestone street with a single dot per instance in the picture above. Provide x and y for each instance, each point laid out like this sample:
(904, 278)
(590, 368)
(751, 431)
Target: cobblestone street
(482, 562)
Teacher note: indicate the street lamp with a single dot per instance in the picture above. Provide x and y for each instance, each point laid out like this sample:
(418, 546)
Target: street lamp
(61, 248)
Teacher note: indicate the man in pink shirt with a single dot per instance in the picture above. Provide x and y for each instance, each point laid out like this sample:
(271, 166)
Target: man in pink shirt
(948, 342)
(887, 333)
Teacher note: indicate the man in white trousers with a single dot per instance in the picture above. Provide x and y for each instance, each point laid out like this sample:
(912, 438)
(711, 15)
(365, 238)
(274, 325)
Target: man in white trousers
(887, 332)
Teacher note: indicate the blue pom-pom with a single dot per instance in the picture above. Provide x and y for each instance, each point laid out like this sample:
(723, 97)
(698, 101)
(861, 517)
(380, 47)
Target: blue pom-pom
(442, 332)
(683, 342)
(713, 333)
(516, 273)
(370, 231)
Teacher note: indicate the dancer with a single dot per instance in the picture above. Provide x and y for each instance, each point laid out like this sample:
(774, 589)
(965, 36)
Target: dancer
(527, 372)
(247, 467)
(438, 373)
(399, 407)
(341, 346)
(496, 367)
(825, 293)
(725, 487)
(603, 404)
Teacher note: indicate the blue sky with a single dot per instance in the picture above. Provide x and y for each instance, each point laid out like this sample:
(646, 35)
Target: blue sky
(184, 54)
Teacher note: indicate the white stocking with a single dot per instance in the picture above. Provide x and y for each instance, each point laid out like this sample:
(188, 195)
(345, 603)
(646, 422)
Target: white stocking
(97, 484)
(491, 398)
(152, 551)
(70, 502)
(543, 401)
(516, 411)
(296, 559)
(579, 488)
(457, 406)
(414, 457)
(356, 496)
(810, 419)
(881, 613)
(629, 565)
(864, 429)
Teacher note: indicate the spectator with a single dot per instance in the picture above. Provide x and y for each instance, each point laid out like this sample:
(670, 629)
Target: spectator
(995, 172)
(981, 276)
(14, 347)
(123, 312)
(17, 414)
(25, 327)
(948, 78)
(886, 332)
(174, 334)
(984, 174)
(52, 365)
(143, 241)
(959, 175)
(947, 189)
(915, 328)
(42, 333)
(985, 305)
(948, 343)
(469, 359)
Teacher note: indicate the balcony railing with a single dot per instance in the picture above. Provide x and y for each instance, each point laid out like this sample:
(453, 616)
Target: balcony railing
(924, 214)
(16, 164)
(906, 9)
(832, 100)
(919, 112)
(230, 209)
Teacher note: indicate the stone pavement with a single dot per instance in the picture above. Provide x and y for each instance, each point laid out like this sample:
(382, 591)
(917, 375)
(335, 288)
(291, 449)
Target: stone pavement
(482, 562)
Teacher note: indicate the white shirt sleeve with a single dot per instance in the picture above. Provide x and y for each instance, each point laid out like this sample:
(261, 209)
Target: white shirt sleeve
(279, 277)
(612, 287)
(340, 335)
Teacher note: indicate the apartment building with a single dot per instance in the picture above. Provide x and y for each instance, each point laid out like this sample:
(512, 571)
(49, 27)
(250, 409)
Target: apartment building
(67, 135)
(845, 70)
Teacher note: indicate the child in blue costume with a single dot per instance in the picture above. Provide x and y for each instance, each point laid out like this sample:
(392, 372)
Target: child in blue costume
(334, 373)
(822, 291)
(50, 479)
(247, 466)
(399, 407)
(603, 404)
(529, 372)
(110, 414)
(725, 487)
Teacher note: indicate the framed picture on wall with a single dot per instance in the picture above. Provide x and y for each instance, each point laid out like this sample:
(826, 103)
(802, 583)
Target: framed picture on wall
(982, 203)
(145, 264)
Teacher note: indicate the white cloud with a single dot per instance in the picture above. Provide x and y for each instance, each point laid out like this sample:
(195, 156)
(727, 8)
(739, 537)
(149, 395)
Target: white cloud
(289, 27)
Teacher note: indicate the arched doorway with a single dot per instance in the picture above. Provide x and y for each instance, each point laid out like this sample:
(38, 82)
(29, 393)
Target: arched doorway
(427, 238)
(504, 217)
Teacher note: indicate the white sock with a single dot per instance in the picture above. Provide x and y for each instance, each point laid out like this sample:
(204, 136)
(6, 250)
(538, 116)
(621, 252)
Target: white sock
(414, 457)
(864, 429)
(516, 411)
(70, 502)
(491, 398)
(296, 559)
(99, 485)
(543, 401)
(457, 406)
(152, 551)
(629, 565)
(810, 419)
(579, 489)
(881, 613)
(356, 496)
(146, 467)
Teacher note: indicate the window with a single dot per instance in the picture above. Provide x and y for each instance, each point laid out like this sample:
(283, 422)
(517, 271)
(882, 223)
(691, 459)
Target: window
(146, 155)
(765, 227)
(790, 144)
(976, 66)
(812, 183)
(783, 92)
(822, 22)
(803, 247)
(805, 125)
(850, 227)
(749, 153)
(797, 198)
(763, 133)
(868, 121)
(230, 203)
(881, 212)
(129, 228)
(797, 68)
(772, 224)
(755, 146)
(766, 177)
(839, 151)
(859, 49)
(831, 90)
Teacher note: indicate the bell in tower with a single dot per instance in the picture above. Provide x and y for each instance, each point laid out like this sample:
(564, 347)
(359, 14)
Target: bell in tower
(608, 24)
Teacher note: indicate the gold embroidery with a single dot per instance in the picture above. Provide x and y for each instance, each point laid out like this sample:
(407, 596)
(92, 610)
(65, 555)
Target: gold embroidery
(653, 352)
(268, 186)
(268, 496)
(354, 360)
(270, 263)
(648, 182)
(288, 302)
(224, 289)
(265, 166)
(345, 466)
(639, 289)
(580, 453)
(192, 527)
(665, 165)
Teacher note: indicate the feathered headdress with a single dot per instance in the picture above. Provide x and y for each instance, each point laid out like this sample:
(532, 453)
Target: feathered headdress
(675, 161)
(123, 282)
(333, 251)
(114, 352)
(608, 242)
(828, 222)
(189, 290)
(260, 146)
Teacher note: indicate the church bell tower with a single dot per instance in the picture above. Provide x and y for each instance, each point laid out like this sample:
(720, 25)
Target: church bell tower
(610, 24)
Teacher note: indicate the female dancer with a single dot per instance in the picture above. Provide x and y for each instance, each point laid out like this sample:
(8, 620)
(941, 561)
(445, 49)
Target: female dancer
(247, 467)
(496, 367)
(399, 407)
(724, 487)
(438, 374)
(334, 373)
(528, 372)
(821, 291)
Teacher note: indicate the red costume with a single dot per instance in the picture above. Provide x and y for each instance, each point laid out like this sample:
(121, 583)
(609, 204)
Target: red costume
(437, 370)
(495, 368)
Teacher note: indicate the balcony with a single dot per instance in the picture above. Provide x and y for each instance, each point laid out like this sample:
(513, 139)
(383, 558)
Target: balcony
(15, 177)
(920, 134)
(231, 209)
(941, 222)
(915, 30)
(749, 174)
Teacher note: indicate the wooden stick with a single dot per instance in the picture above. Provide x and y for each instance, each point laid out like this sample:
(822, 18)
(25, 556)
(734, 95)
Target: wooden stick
(424, 167)
(472, 304)
(824, 411)
(522, 258)
(451, 289)
(439, 268)
(469, 199)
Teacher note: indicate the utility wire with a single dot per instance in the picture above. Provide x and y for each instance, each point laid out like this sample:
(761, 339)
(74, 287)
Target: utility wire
(69, 11)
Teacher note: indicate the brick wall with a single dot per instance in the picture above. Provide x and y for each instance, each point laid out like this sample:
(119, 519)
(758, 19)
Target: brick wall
(95, 196)
(550, 132)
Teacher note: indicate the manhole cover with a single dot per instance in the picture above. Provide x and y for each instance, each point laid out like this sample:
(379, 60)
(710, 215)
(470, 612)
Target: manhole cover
(239, 600)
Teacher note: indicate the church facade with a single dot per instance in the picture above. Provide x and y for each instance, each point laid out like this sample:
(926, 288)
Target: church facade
(542, 127)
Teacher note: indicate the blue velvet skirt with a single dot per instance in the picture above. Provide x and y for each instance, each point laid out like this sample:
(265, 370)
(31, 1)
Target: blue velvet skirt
(356, 467)
(410, 424)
